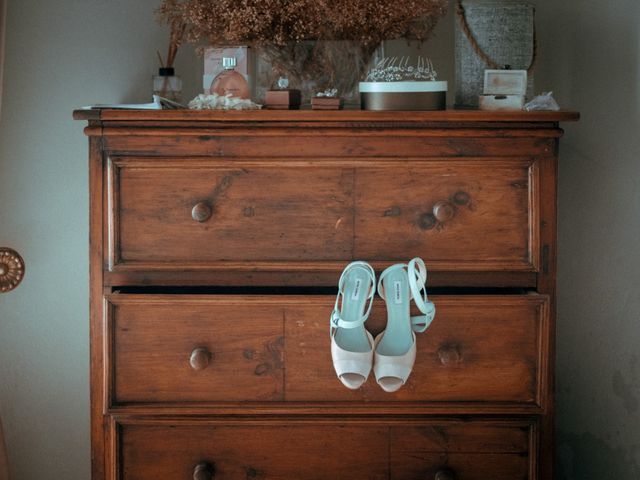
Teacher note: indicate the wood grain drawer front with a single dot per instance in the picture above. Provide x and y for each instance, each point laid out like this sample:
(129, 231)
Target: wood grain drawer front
(328, 449)
(173, 350)
(464, 451)
(198, 213)
(275, 350)
(457, 215)
(213, 214)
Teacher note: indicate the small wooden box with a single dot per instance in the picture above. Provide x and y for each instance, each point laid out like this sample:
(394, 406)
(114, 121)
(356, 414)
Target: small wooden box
(503, 90)
(283, 100)
(326, 103)
(501, 102)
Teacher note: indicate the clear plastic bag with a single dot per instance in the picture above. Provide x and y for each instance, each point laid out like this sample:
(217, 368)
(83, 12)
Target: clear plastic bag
(543, 102)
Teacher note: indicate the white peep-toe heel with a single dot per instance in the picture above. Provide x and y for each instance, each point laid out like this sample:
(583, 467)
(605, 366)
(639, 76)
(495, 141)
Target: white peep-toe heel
(395, 348)
(352, 345)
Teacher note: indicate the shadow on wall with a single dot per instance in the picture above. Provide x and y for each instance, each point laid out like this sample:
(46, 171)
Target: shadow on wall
(603, 73)
(587, 456)
(591, 59)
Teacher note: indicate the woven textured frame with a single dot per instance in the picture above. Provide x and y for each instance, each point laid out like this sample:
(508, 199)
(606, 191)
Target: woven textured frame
(505, 32)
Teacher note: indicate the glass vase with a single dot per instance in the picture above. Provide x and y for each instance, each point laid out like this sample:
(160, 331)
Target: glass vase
(315, 66)
(168, 85)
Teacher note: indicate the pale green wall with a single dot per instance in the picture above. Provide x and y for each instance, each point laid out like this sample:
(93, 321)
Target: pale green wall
(66, 53)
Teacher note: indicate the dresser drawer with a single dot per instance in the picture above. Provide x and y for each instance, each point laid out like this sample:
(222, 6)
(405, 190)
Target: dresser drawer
(274, 351)
(336, 449)
(209, 215)
(465, 451)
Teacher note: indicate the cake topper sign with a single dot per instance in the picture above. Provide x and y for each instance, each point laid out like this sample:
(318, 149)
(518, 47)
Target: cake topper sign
(394, 69)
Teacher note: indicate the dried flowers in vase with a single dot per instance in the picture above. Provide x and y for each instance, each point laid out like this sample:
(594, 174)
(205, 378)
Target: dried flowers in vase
(327, 43)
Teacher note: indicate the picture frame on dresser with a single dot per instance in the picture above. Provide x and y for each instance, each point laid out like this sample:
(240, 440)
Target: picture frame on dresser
(192, 378)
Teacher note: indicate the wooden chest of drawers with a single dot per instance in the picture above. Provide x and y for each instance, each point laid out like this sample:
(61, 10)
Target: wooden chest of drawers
(216, 243)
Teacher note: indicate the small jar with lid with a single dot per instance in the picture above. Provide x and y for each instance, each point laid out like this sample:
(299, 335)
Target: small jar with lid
(168, 85)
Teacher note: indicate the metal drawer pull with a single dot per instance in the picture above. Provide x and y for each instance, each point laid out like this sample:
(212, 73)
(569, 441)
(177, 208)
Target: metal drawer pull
(200, 358)
(203, 471)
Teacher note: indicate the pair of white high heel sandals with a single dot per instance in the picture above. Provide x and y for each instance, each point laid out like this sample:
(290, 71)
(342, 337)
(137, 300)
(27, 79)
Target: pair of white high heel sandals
(392, 353)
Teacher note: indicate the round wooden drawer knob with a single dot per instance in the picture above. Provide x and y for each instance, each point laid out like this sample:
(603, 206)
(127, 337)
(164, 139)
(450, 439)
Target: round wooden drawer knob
(203, 471)
(200, 358)
(443, 211)
(449, 354)
(444, 475)
(201, 212)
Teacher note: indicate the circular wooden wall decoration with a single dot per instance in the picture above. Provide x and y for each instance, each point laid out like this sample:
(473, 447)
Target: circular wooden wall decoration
(11, 269)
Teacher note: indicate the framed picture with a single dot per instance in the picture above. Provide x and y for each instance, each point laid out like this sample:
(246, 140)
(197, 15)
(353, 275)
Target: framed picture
(3, 25)
(505, 82)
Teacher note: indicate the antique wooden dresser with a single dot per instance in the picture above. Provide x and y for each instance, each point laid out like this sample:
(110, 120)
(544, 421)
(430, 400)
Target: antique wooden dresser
(217, 240)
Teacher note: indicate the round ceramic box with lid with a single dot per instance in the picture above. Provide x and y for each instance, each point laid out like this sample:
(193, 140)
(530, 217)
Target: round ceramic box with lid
(407, 95)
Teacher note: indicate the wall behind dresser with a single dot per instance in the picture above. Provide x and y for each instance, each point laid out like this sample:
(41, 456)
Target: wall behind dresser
(591, 58)
(61, 54)
(65, 53)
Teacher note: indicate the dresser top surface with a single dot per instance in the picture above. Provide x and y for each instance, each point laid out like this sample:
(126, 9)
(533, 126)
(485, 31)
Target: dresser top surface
(328, 117)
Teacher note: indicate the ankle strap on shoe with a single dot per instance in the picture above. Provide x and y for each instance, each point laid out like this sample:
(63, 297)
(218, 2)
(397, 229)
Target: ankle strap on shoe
(417, 272)
(417, 275)
(336, 321)
(420, 323)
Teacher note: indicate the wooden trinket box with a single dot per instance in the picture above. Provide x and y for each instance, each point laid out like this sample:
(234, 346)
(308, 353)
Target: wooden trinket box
(283, 100)
(326, 103)
(501, 102)
(504, 90)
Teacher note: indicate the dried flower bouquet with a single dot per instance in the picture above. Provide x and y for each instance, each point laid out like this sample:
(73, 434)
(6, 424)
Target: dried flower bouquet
(299, 36)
